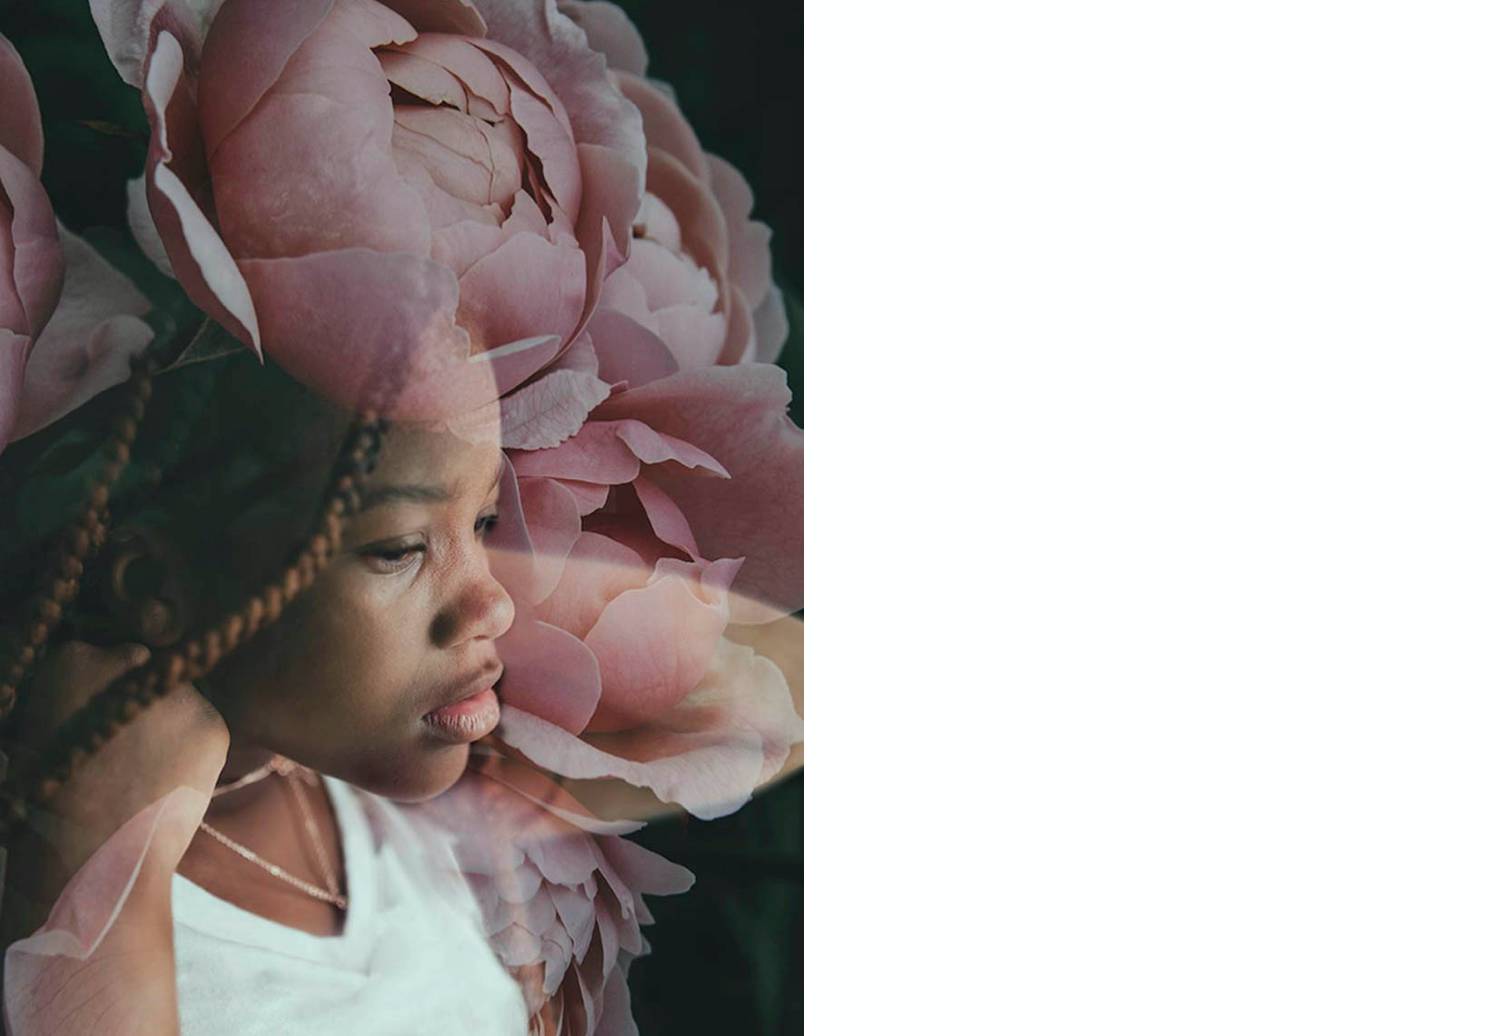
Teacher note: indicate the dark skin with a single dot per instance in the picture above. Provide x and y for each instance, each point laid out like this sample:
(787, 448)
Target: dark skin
(404, 615)
(403, 619)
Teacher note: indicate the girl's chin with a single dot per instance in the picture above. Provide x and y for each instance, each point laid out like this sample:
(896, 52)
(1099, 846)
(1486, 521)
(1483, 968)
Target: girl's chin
(431, 772)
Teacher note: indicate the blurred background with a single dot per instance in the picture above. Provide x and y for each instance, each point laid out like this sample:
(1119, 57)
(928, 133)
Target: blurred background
(726, 956)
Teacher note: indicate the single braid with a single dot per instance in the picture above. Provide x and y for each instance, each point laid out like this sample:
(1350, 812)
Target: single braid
(124, 699)
(76, 544)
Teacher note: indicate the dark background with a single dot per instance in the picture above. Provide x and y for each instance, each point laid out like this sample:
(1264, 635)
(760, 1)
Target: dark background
(726, 956)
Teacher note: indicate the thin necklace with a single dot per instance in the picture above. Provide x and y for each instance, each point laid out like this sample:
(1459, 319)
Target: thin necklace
(295, 774)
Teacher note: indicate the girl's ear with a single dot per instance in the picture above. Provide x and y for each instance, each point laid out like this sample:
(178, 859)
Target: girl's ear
(147, 586)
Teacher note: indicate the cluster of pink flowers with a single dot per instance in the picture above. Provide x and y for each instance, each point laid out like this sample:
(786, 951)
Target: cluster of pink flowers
(489, 198)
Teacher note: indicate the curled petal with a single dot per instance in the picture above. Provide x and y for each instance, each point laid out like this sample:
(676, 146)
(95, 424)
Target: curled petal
(138, 215)
(127, 28)
(664, 124)
(198, 255)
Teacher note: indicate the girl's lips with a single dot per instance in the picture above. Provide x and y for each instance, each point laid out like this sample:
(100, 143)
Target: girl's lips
(466, 720)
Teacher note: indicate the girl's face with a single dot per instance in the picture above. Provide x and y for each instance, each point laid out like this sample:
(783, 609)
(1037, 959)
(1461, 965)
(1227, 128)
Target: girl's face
(402, 621)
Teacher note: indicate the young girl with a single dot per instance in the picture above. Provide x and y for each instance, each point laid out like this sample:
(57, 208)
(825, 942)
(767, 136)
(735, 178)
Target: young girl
(322, 710)
(378, 676)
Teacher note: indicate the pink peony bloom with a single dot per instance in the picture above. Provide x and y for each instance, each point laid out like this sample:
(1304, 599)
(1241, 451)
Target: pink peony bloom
(374, 192)
(69, 322)
(616, 665)
(560, 891)
(656, 496)
(696, 289)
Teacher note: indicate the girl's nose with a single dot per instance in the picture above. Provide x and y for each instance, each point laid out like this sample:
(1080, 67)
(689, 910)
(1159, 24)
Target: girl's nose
(481, 610)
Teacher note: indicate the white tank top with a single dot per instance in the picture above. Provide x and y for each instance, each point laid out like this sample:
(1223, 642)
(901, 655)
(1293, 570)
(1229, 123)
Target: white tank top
(412, 957)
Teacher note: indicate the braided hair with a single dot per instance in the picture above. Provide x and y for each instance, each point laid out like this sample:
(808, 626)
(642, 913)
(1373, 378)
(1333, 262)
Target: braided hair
(188, 458)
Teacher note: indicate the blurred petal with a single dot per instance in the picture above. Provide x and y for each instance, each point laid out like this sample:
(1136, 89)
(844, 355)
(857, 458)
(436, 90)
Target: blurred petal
(13, 349)
(87, 346)
(707, 754)
(610, 32)
(20, 118)
(549, 673)
(598, 570)
(36, 263)
(370, 329)
(552, 520)
(654, 645)
(771, 327)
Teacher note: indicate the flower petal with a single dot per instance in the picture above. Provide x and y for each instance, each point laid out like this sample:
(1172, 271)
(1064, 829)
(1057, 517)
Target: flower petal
(13, 350)
(664, 124)
(549, 673)
(35, 260)
(284, 178)
(738, 414)
(528, 286)
(370, 329)
(198, 255)
(87, 346)
(20, 118)
(707, 754)
(654, 644)
(611, 32)
(627, 351)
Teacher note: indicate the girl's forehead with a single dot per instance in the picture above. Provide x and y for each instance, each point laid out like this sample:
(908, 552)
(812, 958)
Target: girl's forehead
(424, 455)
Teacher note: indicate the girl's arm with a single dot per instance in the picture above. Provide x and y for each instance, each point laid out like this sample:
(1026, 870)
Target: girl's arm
(88, 879)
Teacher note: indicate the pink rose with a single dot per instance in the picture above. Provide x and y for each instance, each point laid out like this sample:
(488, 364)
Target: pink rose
(368, 189)
(69, 322)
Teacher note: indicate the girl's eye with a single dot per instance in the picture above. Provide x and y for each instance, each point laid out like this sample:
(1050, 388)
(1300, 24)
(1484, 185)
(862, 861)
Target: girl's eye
(485, 523)
(393, 558)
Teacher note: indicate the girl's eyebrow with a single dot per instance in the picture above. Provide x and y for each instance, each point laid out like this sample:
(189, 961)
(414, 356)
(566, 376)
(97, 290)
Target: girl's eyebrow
(405, 493)
(413, 493)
